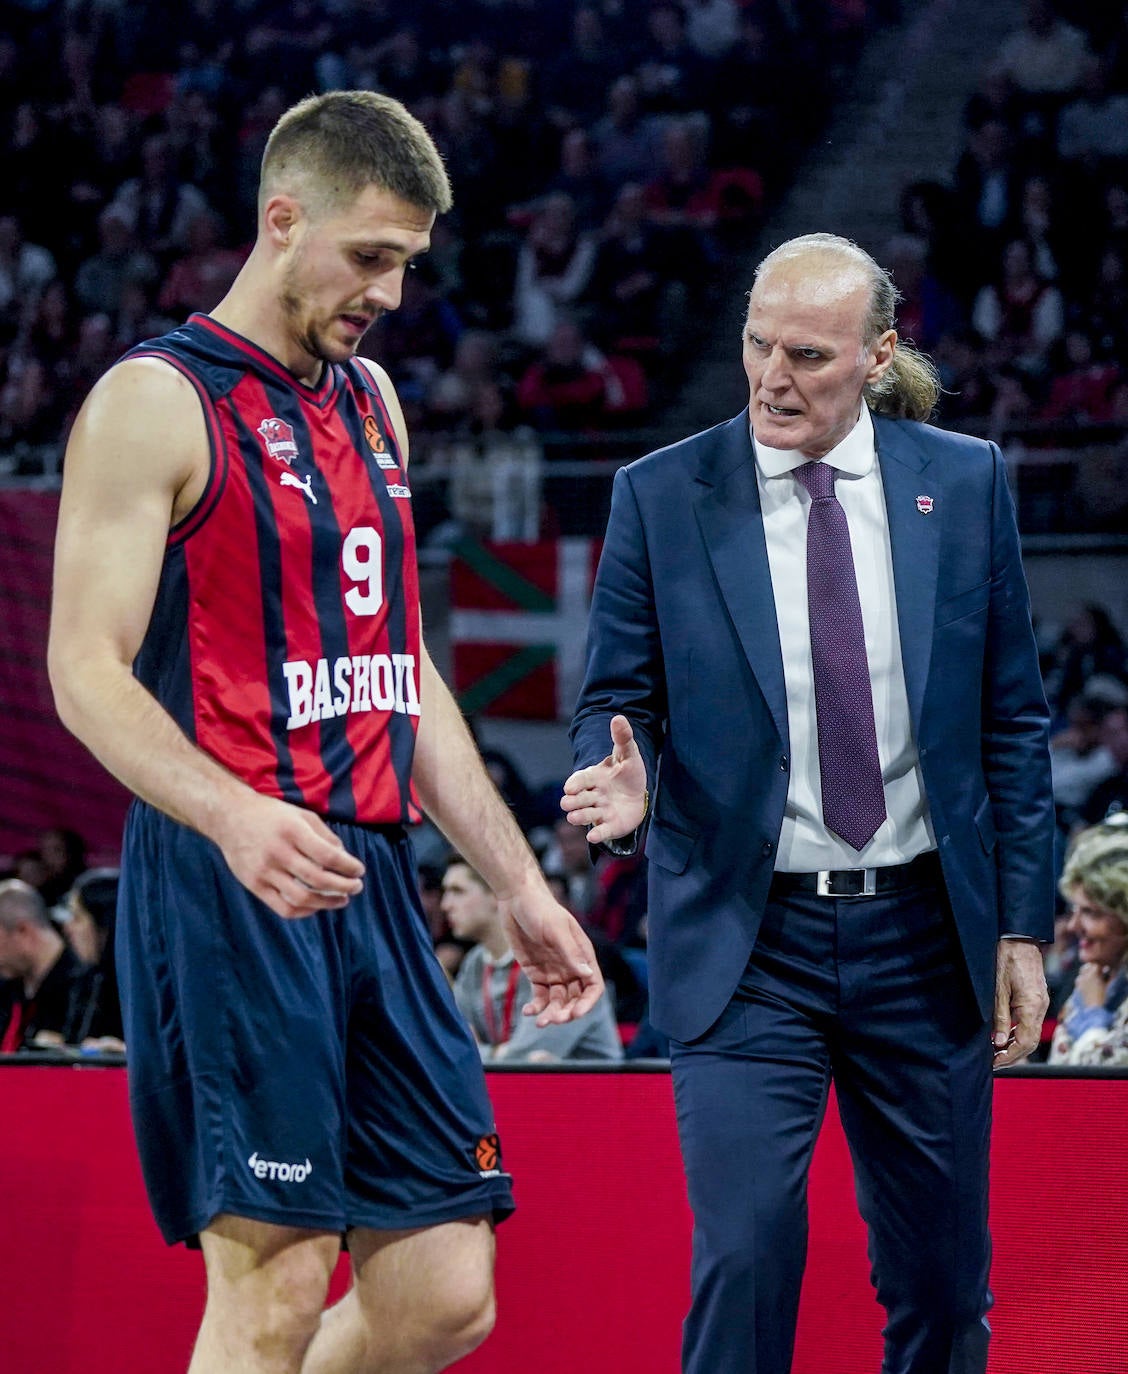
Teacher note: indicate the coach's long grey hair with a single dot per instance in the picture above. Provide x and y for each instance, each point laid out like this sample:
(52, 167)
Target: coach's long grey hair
(910, 387)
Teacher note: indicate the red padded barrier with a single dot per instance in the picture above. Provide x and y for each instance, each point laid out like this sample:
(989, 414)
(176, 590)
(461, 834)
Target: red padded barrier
(593, 1269)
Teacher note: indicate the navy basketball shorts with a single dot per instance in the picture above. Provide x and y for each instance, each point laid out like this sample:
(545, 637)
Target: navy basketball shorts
(312, 1073)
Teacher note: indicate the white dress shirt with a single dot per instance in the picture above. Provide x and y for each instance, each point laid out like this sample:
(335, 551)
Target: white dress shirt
(805, 844)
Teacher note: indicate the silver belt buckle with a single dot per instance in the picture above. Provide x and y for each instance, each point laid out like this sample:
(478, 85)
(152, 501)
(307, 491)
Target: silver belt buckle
(869, 883)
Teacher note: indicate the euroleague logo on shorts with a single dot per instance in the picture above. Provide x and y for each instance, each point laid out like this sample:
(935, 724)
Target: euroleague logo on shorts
(284, 1173)
(487, 1154)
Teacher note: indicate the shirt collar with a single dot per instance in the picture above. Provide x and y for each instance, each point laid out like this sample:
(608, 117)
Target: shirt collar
(854, 455)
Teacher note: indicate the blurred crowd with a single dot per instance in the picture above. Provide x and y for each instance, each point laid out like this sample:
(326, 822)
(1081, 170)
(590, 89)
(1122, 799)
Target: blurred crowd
(605, 156)
(1015, 270)
(57, 984)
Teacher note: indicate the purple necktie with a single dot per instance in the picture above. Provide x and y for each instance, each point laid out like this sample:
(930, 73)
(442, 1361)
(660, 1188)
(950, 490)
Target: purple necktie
(852, 792)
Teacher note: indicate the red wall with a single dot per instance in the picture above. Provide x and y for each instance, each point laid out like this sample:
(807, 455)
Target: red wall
(592, 1271)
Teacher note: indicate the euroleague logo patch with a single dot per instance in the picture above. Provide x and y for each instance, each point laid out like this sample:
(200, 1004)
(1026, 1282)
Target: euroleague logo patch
(376, 443)
(487, 1155)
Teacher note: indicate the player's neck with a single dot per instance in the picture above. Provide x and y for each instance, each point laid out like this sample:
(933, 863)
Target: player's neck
(251, 310)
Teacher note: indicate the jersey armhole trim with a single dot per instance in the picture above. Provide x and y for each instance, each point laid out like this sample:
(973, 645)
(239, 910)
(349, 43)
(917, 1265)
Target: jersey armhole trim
(218, 461)
(371, 384)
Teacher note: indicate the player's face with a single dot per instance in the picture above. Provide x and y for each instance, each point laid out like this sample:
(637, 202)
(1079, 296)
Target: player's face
(804, 356)
(1102, 937)
(342, 272)
(470, 908)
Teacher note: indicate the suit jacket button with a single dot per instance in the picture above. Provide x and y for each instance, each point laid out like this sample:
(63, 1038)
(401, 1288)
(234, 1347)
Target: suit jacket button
(783, 763)
(766, 848)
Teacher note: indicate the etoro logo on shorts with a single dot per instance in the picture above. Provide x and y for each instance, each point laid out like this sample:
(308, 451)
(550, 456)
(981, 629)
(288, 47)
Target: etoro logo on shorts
(284, 1173)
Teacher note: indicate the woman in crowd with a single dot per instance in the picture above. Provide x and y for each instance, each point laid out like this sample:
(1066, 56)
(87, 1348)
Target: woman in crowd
(1093, 1028)
(89, 930)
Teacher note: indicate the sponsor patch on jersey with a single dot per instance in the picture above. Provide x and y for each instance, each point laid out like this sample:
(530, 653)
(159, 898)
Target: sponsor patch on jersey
(337, 687)
(394, 489)
(278, 439)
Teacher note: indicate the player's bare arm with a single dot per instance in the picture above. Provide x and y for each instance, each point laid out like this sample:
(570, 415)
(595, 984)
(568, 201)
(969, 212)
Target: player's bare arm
(459, 796)
(136, 463)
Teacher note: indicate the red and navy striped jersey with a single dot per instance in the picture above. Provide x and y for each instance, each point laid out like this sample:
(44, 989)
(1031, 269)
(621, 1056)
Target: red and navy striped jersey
(284, 638)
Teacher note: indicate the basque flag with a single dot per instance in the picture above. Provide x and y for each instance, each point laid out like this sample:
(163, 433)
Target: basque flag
(518, 626)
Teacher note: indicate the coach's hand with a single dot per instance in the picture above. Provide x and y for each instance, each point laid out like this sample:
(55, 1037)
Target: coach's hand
(288, 857)
(610, 796)
(555, 954)
(1021, 1000)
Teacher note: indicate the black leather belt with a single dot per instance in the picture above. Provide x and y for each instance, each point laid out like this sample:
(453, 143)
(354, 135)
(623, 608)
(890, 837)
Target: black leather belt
(861, 882)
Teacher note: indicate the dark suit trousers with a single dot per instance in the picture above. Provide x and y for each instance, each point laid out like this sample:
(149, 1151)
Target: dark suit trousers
(872, 993)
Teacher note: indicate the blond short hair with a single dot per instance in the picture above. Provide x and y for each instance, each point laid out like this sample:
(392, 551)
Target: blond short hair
(1097, 862)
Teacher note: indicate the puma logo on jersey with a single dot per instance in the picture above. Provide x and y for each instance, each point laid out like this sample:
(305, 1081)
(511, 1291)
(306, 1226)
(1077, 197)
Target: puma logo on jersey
(290, 479)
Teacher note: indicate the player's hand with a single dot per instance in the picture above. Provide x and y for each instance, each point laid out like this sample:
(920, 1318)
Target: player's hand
(610, 796)
(288, 857)
(1021, 1000)
(555, 954)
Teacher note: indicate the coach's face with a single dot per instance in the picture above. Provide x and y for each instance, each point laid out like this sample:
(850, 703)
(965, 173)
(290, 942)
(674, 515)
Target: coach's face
(805, 355)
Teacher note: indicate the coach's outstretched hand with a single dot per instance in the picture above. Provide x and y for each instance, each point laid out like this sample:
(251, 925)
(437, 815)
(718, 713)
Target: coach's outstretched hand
(554, 953)
(609, 796)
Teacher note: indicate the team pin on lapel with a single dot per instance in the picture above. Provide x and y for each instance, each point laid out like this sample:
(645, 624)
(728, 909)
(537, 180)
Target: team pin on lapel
(925, 504)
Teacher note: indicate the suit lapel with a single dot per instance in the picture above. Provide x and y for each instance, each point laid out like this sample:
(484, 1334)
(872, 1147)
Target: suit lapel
(731, 523)
(914, 535)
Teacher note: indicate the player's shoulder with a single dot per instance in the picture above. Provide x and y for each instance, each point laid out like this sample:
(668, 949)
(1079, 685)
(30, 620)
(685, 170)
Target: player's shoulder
(372, 373)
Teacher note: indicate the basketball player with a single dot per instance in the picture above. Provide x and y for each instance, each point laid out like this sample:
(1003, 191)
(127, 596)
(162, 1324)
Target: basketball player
(236, 636)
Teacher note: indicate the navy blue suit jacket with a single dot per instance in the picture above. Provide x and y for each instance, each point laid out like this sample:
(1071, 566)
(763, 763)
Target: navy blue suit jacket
(683, 641)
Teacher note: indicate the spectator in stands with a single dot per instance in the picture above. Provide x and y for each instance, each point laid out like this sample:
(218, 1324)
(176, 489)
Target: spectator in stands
(1082, 385)
(1047, 56)
(64, 857)
(747, 89)
(202, 277)
(574, 82)
(1104, 313)
(119, 262)
(569, 386)
(1079, 758)
(636, 281)
(994, 98)
(927, 310)
(1110, 798)
(25, 269)
(473, 395)
(1094, 126)
(157, 207)
(580, 178)
(627, 140)
(986, 194)
(969, 391)
(95, 1018)
(554, 266)
(1089, 644)
(1019, 310)
(1038, 224)
(712, 27)
(491, 990)
(672, 77)
(565, 858)
(1093, 1027)
(39, 974)
(685, 196)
